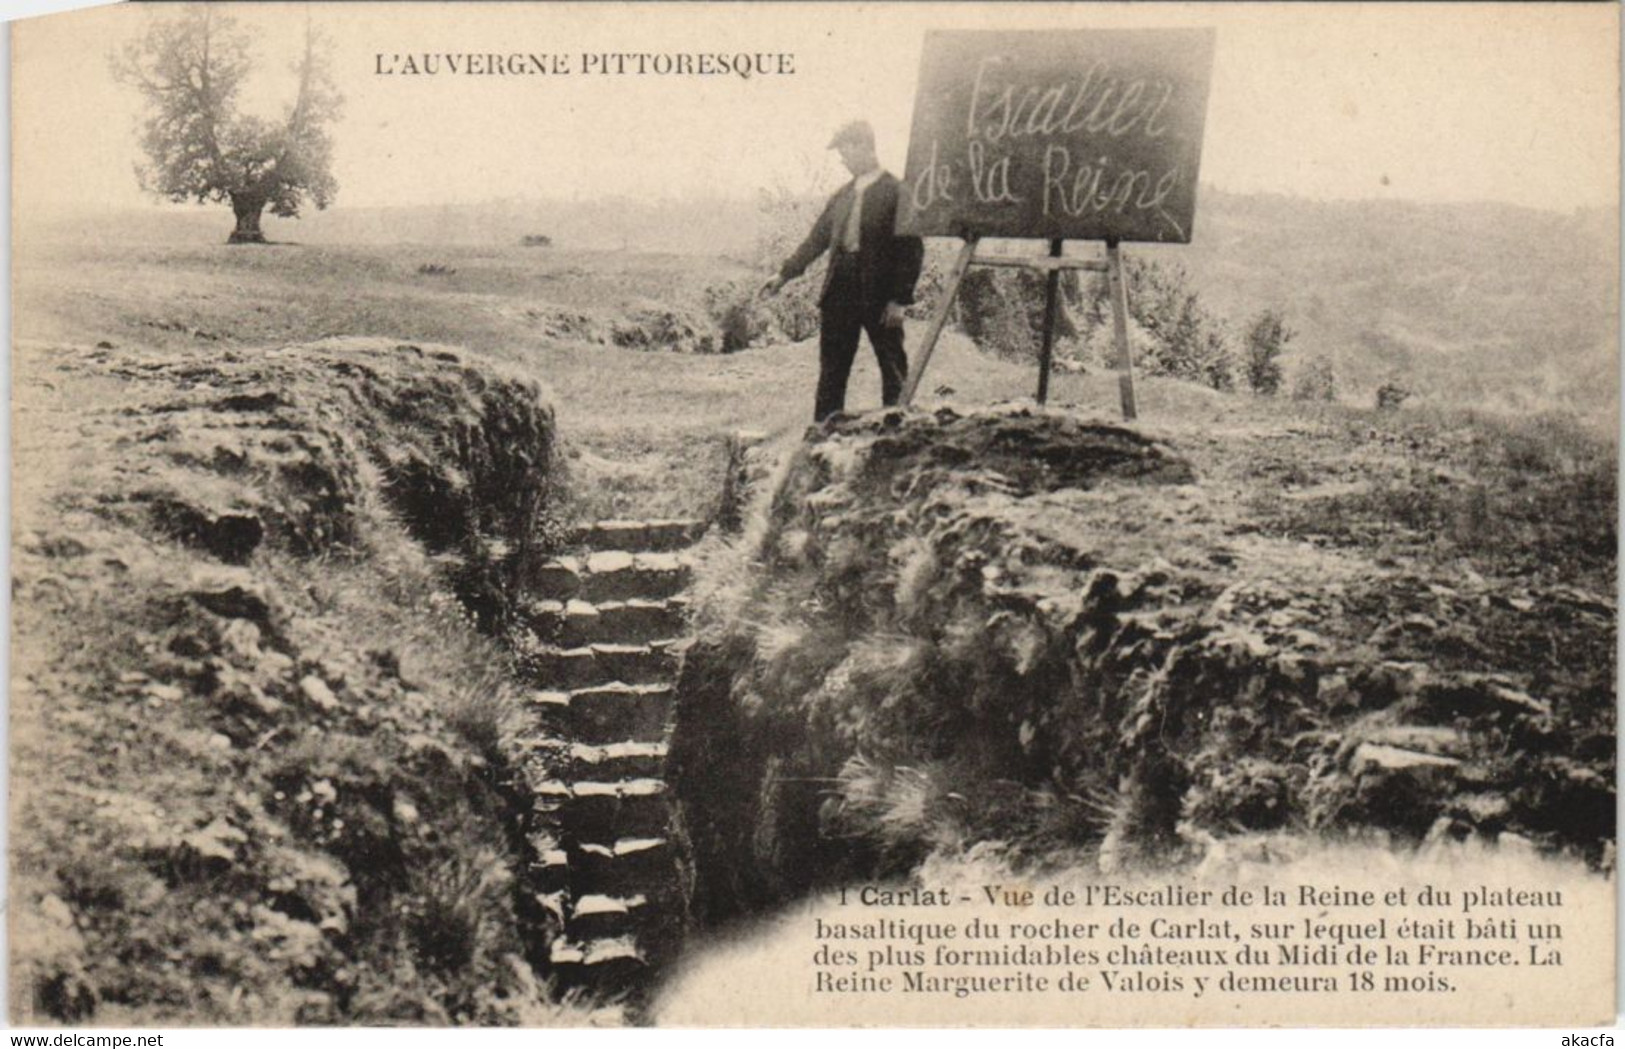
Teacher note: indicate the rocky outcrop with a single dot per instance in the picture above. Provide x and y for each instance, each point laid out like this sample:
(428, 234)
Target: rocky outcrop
(258, 742)
(1020, 627)
(282, 443)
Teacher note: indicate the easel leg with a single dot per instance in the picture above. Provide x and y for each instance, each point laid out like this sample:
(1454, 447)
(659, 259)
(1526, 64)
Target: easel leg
(956, 275)
(1125, 361)
(1046, 349)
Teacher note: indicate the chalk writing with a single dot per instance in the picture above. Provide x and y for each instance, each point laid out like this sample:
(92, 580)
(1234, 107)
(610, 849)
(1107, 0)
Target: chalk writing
(1076, 134)
(997, 110)
(990, 180)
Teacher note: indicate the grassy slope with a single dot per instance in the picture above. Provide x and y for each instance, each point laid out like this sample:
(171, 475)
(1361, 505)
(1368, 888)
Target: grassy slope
(646, 427)
(1387, 288)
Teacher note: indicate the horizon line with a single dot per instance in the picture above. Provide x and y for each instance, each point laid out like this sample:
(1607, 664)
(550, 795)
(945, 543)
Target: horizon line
(59, 208)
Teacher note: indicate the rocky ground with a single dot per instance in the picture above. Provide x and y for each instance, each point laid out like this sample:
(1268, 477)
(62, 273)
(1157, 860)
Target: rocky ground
(1080, 639)
(256, 763)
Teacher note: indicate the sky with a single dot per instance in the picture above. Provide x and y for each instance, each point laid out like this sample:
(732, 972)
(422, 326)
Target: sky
(1516, 103)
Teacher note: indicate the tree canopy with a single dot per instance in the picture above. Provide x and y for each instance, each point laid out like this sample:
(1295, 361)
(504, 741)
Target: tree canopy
(190, 70)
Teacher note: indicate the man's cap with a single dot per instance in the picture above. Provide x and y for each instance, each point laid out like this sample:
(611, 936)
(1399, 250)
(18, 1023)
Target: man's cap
(855, 131)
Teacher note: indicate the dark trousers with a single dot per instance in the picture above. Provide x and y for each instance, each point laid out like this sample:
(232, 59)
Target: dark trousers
(842, 317)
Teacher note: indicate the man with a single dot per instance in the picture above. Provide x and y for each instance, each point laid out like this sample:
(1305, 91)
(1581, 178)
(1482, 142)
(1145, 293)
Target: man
(870, 278)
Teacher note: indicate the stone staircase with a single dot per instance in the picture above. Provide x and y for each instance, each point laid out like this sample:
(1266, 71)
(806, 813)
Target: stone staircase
(606, 630)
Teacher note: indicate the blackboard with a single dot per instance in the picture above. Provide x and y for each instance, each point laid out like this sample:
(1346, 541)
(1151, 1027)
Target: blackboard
(1074, 134)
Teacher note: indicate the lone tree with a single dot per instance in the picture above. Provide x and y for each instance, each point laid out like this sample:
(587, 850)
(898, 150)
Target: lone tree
(190, 70)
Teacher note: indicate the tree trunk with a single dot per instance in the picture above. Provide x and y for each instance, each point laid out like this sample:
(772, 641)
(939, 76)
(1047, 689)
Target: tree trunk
(247, 208)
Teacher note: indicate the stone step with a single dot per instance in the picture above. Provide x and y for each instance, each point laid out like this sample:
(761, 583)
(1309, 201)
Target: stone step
(604, 963)
(627, 759)
(628, 789)
(633, 621)
(644, 865)
(549, 750)
(645, 664)
(619, 712)
(597, 915)
(549, 863)
(615, 575)
(549, 715)
(658, 535)
(550, 796)
(608, 575)
(557, 579)
(598, 664)
(560, 669)
(601, 808)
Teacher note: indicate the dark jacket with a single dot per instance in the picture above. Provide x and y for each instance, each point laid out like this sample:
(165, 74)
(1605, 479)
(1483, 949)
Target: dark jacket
(888, 265)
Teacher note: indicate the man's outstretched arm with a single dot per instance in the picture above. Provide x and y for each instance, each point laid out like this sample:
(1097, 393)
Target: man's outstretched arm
(816, 244)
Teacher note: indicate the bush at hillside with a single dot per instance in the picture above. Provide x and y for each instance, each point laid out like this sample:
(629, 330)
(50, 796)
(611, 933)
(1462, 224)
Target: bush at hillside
(1266, 341)
(1003, 310)
(1187, 340)
(1315, 380)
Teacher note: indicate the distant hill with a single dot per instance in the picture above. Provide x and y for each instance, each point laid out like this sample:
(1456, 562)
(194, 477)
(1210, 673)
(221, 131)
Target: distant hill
(1477, 303)
(1484, 304)
(686, 227)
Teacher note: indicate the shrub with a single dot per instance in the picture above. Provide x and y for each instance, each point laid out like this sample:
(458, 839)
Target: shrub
(740, 316)
(1187, 341)
(455, 910)
(737, 313)
(1218, 361)
(1003, 310)
(786, 218)
(658, 327)
(1316, 380)
(1391, 394)
(1099, 346)
(933, 282)
(1266, 340)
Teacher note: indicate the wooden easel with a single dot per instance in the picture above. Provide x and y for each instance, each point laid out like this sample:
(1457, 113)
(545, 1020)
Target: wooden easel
(1052, 264)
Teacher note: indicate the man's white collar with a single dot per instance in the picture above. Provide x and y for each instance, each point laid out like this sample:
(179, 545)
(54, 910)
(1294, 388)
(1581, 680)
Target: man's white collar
(867, 179)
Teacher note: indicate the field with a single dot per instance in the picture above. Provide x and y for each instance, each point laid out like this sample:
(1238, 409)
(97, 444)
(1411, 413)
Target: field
(646, 429)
